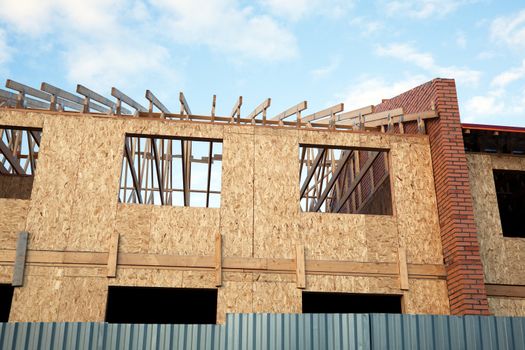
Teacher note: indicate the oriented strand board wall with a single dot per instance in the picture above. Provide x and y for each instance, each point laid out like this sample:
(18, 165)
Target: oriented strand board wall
(13, 214)
(74, 207)
(503, 257)
(507, 306)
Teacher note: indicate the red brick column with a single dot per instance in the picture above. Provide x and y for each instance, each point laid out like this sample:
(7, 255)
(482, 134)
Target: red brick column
(465, 279)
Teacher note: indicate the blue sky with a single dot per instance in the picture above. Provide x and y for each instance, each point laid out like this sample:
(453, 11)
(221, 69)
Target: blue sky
(326, 52)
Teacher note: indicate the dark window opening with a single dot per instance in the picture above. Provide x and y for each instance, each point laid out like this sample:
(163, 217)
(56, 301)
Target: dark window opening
(161, 305)
(6, 296)
(510, 191)
(164, 170)
(344, 180)
(329, 303)
(19, 148)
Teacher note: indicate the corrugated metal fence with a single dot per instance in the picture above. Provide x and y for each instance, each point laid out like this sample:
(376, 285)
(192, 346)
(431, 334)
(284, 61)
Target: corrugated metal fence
(278, 331)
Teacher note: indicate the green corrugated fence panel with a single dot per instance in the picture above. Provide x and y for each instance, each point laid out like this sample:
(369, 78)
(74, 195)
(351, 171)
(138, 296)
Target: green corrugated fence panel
(446, 332)
(278, 331)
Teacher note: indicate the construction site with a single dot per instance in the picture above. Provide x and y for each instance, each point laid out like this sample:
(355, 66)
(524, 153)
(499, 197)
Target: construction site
(118, 212)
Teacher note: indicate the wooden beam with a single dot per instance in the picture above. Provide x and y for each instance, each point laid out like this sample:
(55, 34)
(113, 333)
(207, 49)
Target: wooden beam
(301, 106)
(157, 169)
(403, 268)
(113, 255)
(505, 290)
(260, 109)
(340, 165)
(236, 111)
(184, 106)
(120, 96)
(185, 172)
(77, 101)
(213, 103)
(349, 115)
(136, 182)
(208, 180)
(10, 157)
(374, 117)
(234, 264)
(356, 181)
(311, 171)
(155, 102)
(36, 136)
(218, 260)
(300, 270)
(328, 112)
(20, 259)
(92, 95)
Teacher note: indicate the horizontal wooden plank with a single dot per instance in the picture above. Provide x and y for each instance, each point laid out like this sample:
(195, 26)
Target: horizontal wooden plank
(373, 117)
(260, 108)
(236, 264)
(301, 106)
(505, 290)
(350, 114)
(324, 113)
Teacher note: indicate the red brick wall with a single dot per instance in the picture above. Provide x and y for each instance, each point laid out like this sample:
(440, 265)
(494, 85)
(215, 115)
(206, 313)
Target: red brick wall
(465, 278)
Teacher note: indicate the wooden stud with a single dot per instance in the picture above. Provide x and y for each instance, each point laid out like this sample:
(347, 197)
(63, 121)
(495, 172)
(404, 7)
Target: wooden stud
(20, 259)
(403, 268)
(218, 260)
(300, 269)
(113, 255)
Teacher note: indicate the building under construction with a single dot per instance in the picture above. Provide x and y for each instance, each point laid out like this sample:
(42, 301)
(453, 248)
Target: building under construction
(115, 212)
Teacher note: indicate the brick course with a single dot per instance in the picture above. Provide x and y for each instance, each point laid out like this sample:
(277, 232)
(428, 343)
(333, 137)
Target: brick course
(465, 279)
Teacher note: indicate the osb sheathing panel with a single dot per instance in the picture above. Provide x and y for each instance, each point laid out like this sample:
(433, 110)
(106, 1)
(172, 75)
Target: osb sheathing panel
(13, 214)
(95, 197)
(507, 306)
(276, 185)
(276, 297)
(234, 297)
(415, 203)
(427, 297)
(502, 256)
(133, 223)
(259, 215)
(237, 189)
(16, 187)
(183, 230)
(54, 188)
(49, 294)
(6, 274)
(22, 119)
(141, 277)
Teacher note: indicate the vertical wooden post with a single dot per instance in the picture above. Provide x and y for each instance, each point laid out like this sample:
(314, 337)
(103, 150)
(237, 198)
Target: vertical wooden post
(113, 255)
(300, 267)
(20, 259)
(218, 260)
(403, 268)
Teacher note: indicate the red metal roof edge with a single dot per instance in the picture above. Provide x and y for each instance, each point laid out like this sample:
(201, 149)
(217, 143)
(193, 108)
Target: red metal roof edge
(493, 127)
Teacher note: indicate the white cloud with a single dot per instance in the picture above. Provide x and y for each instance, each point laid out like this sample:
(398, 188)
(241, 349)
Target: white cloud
(367, 26)
(328, 69)
(225, 26)
(499, 105)
(490, 104)
(370, 90)
(5, 50)
(509, 29)
(407, 53)
(297, 9)
(421, 9)
(513, 74)
(461, 40)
